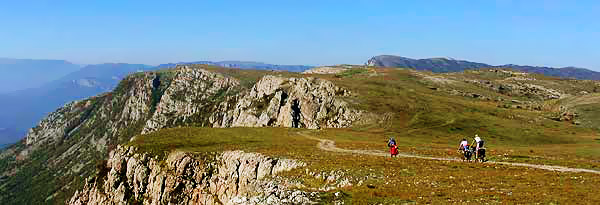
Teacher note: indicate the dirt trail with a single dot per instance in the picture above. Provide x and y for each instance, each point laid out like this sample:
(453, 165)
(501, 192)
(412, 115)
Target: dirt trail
(329, 145)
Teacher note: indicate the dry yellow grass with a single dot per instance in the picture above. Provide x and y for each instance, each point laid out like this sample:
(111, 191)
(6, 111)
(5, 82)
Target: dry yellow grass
(425, 122)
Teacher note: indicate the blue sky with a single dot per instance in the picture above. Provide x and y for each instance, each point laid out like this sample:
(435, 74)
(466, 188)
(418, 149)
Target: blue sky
(549, 33)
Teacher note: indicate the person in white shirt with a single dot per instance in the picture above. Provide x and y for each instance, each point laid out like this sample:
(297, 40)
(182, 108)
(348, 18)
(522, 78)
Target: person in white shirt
(477, 145)
(463, 145)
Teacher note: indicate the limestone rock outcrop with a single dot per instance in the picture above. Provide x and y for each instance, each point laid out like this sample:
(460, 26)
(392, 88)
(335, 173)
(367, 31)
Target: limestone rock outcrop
(294, 102)
(186, 99)
(232, 177)
(202, 98)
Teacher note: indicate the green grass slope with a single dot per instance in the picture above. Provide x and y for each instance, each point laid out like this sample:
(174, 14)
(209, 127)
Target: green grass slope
(429, 121)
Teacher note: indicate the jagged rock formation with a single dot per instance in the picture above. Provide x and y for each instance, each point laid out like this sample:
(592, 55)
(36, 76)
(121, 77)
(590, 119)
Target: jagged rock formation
(187, 98)
(232, 177)
(68, 142)
(293, 102)
(272, 101)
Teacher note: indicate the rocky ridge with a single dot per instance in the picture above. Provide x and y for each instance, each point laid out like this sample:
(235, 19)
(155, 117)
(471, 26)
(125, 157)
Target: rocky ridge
(232, 177)
(273, 101)
(67, 143)
(202, 98)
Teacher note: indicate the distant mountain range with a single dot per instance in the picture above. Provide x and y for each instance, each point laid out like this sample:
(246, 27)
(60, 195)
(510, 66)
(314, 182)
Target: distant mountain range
(19, 74)
(244, 65)
(440, 65)
(23, 109)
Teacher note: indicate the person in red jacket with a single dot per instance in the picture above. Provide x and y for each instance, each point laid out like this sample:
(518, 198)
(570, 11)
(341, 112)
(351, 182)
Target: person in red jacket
(394, 150)
(393, 147)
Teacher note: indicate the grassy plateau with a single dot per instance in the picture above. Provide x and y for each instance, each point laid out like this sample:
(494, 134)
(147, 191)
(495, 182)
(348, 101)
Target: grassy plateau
(427, 120)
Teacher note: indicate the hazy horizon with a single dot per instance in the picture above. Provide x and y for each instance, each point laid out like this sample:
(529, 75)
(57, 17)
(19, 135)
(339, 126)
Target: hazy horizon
(82, 65)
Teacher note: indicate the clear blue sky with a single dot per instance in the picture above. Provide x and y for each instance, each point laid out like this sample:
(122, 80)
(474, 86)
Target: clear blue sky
(550, 33)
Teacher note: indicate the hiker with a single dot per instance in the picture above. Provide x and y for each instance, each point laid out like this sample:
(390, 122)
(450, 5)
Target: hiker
(478, 143)
(463, 148)
(463, 145)
(393, 147)
(394, 151)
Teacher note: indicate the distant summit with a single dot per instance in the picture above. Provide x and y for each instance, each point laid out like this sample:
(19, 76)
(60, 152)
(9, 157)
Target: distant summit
(442, 65)
(438, 65)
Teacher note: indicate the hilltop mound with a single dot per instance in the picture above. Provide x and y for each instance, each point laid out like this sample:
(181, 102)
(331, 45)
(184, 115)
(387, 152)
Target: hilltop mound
(437, 65)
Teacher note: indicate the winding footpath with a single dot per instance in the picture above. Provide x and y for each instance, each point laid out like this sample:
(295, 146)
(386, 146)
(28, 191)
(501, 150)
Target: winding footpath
(329, 145)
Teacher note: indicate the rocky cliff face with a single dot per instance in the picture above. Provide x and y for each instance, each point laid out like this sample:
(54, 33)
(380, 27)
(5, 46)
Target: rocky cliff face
(232, 177)
(191, 93)
(214, 100)
(66, 145)
(293, 102)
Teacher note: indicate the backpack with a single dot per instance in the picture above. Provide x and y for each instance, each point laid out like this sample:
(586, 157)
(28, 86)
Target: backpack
(392, 142)
(480, 143)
